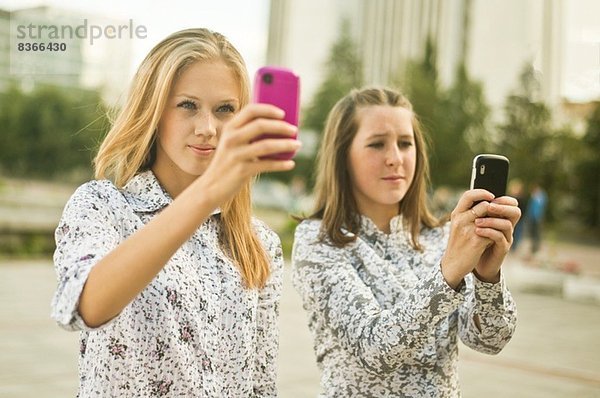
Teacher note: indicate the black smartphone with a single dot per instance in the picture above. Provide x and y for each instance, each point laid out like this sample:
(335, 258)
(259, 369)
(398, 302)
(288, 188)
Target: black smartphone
(490, 172)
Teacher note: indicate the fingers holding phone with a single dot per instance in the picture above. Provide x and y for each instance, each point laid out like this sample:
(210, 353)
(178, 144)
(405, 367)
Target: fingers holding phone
(474, 202)
(251, 123)
(241, 147)
(496, 223)
(483, 220)
(465, 247)
(237, 158)
(490, 172)
(505, 207)
(502, 215)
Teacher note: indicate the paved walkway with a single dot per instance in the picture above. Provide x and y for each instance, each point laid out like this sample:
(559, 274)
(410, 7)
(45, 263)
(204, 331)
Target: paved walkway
(554, 353)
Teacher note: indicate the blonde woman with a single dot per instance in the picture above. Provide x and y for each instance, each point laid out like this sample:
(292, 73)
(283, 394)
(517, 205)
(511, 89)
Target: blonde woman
(172, 284)
(387, 287)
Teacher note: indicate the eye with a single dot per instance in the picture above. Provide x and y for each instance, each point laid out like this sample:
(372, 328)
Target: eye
(405, 144)
(187, 104)
(376, 145)
(226, 108)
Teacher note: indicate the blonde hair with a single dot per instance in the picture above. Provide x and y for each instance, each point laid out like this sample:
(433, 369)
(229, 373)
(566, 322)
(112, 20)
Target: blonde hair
(129, 146)
(335, 203)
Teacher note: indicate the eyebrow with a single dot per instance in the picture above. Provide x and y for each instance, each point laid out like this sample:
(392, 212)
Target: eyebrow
(383, 135)
(198, 99)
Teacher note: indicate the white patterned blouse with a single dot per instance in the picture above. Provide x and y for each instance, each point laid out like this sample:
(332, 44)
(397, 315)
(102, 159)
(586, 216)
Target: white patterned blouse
(384, 320)
(194, 331)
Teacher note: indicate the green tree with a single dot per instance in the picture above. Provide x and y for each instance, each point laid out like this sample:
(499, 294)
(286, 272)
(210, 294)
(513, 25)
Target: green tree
(588, 170)
(525, 134)
(50, 132)
(463, 130)
(421, 84)
(454, 119)
(12, 145)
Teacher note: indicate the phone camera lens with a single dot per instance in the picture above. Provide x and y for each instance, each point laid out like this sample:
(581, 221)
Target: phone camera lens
(268, 78)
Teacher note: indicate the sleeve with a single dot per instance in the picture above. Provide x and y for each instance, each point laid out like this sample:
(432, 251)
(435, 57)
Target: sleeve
(493, 304)
(332, 291)
(87, 231)
(267, 334)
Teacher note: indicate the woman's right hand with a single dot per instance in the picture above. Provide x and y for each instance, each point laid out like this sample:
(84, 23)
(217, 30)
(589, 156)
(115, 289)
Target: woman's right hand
(238, 155)
(465, 247)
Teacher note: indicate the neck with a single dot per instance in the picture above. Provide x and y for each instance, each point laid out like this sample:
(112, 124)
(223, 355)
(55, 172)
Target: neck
(381, 219)
(174, 183)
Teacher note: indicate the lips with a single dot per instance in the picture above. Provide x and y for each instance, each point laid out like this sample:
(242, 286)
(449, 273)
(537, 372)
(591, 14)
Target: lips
(394, 177)
(203, 149)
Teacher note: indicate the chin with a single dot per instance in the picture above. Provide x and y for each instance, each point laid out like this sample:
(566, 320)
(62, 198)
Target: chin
(197, 173)
(196, 169)
(192, 171)
(389, 201)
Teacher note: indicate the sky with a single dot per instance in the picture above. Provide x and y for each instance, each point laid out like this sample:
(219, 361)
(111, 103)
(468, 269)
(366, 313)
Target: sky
(243, 22)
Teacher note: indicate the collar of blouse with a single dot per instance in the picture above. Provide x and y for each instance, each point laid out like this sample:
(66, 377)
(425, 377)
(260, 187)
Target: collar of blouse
(145, 194)
(369, 229)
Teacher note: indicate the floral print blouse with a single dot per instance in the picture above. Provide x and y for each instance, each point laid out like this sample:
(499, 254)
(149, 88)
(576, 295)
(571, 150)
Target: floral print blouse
(384, 320)
(194, 331)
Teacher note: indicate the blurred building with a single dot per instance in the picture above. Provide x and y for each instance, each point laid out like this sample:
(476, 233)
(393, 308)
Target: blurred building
(301, 34)
(495, 38)
(506, 35)
(77, 61)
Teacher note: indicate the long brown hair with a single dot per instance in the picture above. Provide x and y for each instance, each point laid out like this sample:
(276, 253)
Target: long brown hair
(335, 203)
(129, 146)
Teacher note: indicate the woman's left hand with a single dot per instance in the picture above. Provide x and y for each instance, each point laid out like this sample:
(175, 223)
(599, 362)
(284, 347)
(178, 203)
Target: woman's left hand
(497, 224)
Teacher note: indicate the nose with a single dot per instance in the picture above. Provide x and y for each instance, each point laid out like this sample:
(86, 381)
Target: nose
(393, 156)
(206, 125)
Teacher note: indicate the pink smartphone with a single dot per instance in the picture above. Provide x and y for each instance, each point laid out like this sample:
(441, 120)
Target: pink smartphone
(279, 87)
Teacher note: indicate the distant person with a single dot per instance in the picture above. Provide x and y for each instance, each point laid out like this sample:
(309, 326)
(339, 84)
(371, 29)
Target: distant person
(173, 285)
(516, 189)
(388, 289)
(536, 209)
